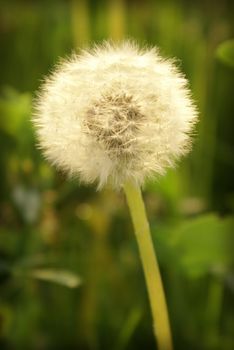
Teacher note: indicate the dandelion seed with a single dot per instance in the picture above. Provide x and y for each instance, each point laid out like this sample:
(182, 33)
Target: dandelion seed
(119, 114)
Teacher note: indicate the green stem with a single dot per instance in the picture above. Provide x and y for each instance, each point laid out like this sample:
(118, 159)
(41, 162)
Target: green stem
(150, 266)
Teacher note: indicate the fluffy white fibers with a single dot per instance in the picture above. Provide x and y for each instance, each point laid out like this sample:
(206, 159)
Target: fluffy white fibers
(115, 113)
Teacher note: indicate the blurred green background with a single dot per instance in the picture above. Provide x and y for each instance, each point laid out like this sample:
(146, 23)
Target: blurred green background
(70, 273)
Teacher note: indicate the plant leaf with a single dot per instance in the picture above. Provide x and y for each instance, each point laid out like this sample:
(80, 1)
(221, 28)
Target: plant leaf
(197, 246)
(225, 52)
(203, 244)
(129, 327)
(63, 277)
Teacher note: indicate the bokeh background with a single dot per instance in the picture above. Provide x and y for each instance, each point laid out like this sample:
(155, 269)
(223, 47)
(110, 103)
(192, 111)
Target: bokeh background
(70, 273)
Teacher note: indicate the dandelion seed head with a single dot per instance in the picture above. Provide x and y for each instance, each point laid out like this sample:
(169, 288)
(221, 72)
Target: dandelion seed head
(115, 113)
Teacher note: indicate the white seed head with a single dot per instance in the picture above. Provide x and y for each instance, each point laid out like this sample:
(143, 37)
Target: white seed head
(115, 113)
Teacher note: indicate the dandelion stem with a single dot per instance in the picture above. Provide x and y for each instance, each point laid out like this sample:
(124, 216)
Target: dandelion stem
(150, 267)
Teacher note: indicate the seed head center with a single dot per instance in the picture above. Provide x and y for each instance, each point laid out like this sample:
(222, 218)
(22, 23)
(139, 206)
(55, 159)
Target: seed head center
(114, 121)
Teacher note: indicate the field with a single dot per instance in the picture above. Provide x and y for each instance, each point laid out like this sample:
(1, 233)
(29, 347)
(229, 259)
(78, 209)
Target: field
(70, 272)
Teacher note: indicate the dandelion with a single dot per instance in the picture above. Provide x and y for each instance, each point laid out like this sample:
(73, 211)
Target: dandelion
(119, 114)
(115, 114)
